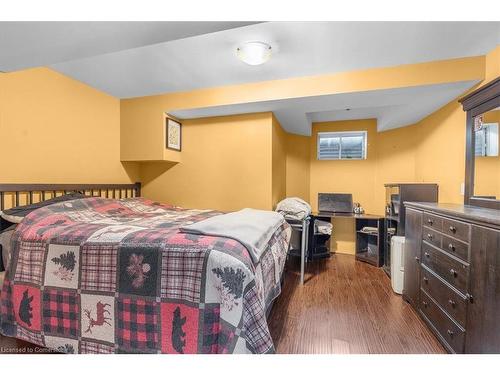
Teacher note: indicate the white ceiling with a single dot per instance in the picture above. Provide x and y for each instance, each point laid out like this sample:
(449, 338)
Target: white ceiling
(30, 44)
(300, 49)
(393, 108)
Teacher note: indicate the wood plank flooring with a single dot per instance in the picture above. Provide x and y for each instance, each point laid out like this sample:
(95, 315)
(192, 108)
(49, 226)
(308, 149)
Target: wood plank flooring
(345, 306)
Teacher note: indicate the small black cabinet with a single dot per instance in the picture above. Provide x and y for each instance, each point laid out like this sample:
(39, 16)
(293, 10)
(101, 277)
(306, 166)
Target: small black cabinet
(370, 243)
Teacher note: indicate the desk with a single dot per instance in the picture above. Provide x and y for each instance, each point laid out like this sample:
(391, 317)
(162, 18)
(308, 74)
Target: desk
(369, 247)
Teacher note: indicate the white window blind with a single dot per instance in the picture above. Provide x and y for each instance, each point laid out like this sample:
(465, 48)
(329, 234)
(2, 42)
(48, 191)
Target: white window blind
(342, 145)
(487, 140)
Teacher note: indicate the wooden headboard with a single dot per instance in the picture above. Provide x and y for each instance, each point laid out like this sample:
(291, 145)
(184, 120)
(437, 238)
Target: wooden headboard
(15, 195)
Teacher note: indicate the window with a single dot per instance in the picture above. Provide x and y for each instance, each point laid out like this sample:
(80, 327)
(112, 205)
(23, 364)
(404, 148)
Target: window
(342, 145)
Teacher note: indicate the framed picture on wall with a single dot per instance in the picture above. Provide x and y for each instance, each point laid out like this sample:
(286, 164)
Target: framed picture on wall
(174, 134)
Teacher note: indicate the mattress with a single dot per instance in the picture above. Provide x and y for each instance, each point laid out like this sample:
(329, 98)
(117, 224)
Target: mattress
(117, 276)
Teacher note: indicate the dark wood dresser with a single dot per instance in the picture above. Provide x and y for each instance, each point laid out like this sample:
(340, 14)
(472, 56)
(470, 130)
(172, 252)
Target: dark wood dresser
(452, 273)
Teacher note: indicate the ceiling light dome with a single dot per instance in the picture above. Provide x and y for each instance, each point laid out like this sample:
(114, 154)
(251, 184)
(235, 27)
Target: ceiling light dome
(254, 53)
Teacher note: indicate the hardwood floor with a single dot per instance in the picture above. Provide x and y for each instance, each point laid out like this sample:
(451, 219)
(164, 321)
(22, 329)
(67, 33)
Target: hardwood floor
(345, 306)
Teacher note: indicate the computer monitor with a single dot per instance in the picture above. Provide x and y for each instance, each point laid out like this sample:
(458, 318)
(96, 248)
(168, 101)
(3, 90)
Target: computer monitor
(335, 202)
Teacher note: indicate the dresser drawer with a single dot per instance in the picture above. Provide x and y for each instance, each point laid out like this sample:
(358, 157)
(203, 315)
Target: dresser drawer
(431, 236)
(456, 229)
(449, 300)
(433, 221)
(447, 267)
(452, 333)
(453, 246)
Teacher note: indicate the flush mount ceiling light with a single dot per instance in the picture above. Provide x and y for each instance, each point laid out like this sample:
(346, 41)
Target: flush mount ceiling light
(254, 53)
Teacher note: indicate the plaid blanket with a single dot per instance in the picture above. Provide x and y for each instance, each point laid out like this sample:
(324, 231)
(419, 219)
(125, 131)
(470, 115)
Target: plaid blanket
(117, 276)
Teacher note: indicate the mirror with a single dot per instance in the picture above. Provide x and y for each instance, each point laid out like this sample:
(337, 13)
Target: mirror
(486, 154)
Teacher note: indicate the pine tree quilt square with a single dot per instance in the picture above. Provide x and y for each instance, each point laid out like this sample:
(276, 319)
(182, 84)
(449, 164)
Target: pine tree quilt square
(62, 266)
(138, 271)
(226, 281)
(137, 324)
(179, 328)
(60, 312)
(62, 344)
(98, 317)
(27, 306)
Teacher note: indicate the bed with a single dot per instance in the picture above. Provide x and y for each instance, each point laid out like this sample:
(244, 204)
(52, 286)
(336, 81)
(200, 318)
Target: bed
(110, 272)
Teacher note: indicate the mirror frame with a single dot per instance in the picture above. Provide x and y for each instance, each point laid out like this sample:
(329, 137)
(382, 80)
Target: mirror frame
(483, 99)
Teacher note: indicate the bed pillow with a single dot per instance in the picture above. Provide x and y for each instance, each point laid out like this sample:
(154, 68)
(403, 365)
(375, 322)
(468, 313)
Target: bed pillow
(16, 214)
(5, 244)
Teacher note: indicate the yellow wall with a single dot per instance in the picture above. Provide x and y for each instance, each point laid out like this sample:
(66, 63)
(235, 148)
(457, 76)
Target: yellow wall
(57, 130)
(226, 164)
(279, 162)
(297, 166)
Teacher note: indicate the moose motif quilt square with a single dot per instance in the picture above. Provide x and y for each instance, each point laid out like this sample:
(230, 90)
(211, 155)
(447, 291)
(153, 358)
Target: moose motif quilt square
(27, 306)
(98, 317)
(60, 313)
(137, 324)
(62, 266)
(179, 328)
(139, 271)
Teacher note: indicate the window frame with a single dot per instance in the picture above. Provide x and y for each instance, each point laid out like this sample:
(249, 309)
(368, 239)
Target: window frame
(340, 135)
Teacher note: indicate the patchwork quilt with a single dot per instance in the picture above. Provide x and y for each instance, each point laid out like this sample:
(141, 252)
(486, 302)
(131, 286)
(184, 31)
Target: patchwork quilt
(117, 276)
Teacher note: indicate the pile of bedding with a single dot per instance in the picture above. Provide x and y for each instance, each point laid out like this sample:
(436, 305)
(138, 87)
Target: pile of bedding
(98, 275)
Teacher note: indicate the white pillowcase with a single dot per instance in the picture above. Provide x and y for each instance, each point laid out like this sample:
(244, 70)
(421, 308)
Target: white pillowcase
(11, 218)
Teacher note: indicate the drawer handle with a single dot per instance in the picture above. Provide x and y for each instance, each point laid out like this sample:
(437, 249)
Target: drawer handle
(470, 298)
(451, 247)
(452, 303)
(426, 280)
(452, 229)
(430, 221)
(453, 273)
(425, 304)
(427, 254)
(451, 333)
(430, 236)
(417, 259)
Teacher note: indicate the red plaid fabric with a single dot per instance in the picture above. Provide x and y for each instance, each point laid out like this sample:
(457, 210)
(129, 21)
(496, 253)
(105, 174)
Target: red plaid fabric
(60, 313)
(255, 323)
(90, 347)
(30, 262)
(99, 267)
(137, 324)
(30, 336)
(181, 273)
